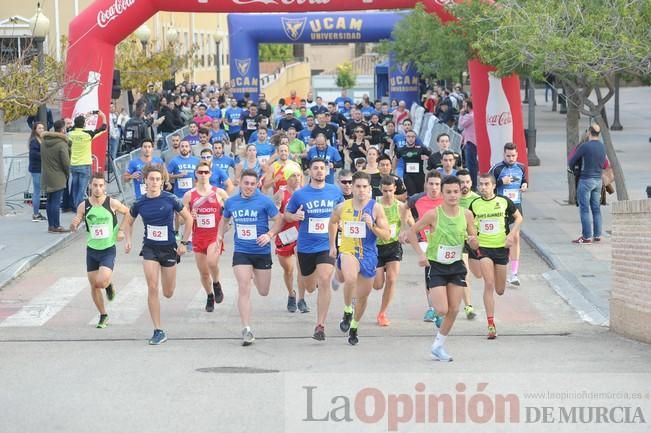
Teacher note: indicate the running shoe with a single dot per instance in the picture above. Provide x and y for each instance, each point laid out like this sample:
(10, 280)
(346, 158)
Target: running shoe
(438, 320)
(382, 319)
(247, 336)
(210, 303)
(58, 230)
(492, 332)
(596, 239)
(110, 293)
(352, 337)
(103, 321)
(429, 316)
(582, 240)
(302, 306)
(291, 304)
(470, 312)
(514, 280)
(319, 333)
(219, 294)
(344, 325)
(159, 337)
(38, 218)
(439, 354)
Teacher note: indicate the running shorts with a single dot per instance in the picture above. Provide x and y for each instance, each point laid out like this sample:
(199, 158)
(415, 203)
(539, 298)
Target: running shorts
(307, 262)
(442, 275)
(389, 253)
(100, 258)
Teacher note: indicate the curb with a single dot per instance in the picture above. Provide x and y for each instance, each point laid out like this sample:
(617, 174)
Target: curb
(32, 260)
(566, 285)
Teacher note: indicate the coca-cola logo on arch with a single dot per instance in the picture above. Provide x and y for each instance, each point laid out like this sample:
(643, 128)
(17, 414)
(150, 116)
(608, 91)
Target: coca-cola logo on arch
(499, 119)
(289, 2)
(116, 9)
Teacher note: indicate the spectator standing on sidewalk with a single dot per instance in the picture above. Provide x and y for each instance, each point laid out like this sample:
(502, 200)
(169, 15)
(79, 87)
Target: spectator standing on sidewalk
(591, 155)
(81, 155)
(55, 168)
(35, 140)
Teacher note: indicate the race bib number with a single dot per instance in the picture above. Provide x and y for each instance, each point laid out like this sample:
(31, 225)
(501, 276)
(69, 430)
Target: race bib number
(206, 221)
(100, 231)
(513, 195)
(447, 254)
(318, 226)
(355, 229)
(282, 188)
(413, 167)
(288, 236)
(235, 122)
(143, 189)
(263, 159)
(185, 182)
(247, 232)
(489, 226)
(394, 230)
(157, 233)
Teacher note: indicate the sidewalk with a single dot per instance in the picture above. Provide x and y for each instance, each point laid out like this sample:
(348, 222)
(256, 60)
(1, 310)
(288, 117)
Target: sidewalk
(581, 274)
(25, 243)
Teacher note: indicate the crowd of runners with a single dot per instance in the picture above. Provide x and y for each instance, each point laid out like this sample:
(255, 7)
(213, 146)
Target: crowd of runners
(336, 205)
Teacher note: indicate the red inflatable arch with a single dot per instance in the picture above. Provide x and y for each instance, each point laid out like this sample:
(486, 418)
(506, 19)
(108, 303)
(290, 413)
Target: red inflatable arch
(94, 34)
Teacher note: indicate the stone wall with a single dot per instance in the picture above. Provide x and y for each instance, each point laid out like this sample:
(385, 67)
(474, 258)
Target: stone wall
(630, 299)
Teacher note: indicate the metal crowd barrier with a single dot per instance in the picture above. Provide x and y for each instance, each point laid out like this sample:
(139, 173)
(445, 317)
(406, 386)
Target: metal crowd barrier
(182, 132)
(431, 128)
(18, 180)
(120, 165)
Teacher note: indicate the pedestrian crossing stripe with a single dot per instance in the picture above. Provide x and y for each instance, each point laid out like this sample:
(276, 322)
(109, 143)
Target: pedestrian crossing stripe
(129, 304)
(45, 306)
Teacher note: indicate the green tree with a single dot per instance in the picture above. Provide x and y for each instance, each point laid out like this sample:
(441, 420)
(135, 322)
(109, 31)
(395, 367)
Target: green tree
(346, 78)
(584, 43)
(137, 67)
(433, 47)
(275, 52)
(23, 88)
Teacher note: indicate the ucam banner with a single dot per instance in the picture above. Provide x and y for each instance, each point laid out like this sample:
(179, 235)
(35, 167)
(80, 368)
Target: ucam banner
(248, 30)
(94, 33)
(403, 81)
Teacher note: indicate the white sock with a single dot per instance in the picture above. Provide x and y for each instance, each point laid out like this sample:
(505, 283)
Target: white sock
(439, 340)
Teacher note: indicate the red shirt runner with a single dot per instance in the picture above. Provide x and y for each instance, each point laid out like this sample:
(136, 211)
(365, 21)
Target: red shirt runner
(208, 211)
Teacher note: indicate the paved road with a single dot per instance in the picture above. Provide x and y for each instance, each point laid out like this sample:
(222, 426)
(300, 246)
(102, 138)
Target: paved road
(59, 373)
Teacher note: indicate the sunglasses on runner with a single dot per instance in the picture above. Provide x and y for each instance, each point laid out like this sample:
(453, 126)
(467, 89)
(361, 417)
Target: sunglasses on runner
(346, 182)
(206, 157)
(203, 172)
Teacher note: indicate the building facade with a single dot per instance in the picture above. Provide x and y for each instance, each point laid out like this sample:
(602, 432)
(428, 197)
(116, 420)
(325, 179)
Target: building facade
(211, 57)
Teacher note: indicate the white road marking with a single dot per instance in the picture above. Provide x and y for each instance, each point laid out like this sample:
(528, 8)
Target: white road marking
(46, 305)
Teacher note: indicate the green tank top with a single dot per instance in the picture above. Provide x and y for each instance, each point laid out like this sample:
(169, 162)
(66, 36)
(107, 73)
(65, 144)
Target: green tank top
(490, 220)
(393, 216)
(445, 242)
(101, 225)
(464, 202)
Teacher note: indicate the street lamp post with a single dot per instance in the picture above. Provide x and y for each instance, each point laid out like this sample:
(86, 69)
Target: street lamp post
(531, 130)
(218, 36)
(143, 34)
(172, 36)
(40, 26)
(616, 126)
